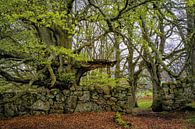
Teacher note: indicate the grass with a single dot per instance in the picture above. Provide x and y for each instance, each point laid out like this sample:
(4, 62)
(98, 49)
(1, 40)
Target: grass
(144, 103)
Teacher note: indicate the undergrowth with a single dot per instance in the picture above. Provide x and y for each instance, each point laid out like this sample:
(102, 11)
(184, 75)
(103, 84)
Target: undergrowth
(118, 120)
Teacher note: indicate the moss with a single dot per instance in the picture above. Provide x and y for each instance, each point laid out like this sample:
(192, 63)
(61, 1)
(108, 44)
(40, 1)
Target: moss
(17, 87)
(118, 120)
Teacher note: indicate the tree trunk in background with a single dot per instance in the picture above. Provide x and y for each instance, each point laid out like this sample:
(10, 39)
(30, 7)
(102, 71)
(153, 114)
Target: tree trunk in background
(131, 77)
(117, 56)
(153, 67)
(155, 77)
(191, 43)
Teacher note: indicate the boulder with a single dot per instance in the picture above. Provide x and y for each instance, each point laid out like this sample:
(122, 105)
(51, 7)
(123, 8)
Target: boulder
(71, 103)
(85, 97)
(83, 107)
(40, 105)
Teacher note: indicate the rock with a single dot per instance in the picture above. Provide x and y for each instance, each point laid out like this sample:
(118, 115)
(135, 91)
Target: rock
(113, 99)
(56, 111)
(78, 93)
(109, 102)
(60, 98)
(94, 95)
(51, 102)
(71, 103)
(106, 90)
(85, 97)
(50, 96)
(101, 101)
(8, 95)
(38, 113)
(103, 89)
(107, 96)
(84, 107)
(91, 88)
(54, 91)
(66, 92)
(108, 108)
(121, 103)
(57, 106)
(85, 88)
(121, 96)
(40, 105)
(96, 107)
(99, 89)
(9, 110)
(72, 88)
(78, 88)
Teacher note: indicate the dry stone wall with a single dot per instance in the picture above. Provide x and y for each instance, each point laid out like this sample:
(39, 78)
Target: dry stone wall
(22, 100)
(175, 95)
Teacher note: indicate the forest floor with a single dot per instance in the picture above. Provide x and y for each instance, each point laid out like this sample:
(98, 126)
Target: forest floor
(101, 120)
(140, 119)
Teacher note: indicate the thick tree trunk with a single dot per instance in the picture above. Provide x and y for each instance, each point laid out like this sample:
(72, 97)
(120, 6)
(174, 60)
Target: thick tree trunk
(191, 43)
(155, 77)
(193, 70)
(131, 77)
(117, 56)
(157, 100)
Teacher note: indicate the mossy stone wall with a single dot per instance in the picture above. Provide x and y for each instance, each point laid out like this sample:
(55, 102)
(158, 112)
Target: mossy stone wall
(175, 95)
(24, 100)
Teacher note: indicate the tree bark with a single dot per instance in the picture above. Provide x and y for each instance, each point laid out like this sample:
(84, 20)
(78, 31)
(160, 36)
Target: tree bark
(191, 43)
(117, 56)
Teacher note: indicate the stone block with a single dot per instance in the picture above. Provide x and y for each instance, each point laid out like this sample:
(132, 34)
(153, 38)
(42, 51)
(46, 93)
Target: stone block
(167, 103)
(109, 102)
(107, 108)
(38, 113)
(107, 96)
(54, 91)
(60, 98)
(113, 99)
(56, 111)
(101, 101)
(57, 106)
(78, 88)
(66, 92)
(71, 102)
(84, 107)
(168, 96)
(72, 88)
(10, 110)
(122, 96)
(94, 95)
(51, 102)
(99, 89)
(121, 103)
(85, 97)
(41, 105)
(78, 93)
(96, 107)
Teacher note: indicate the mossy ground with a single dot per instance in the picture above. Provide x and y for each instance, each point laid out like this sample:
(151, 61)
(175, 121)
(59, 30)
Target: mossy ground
(145, 103)
(191, 113)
